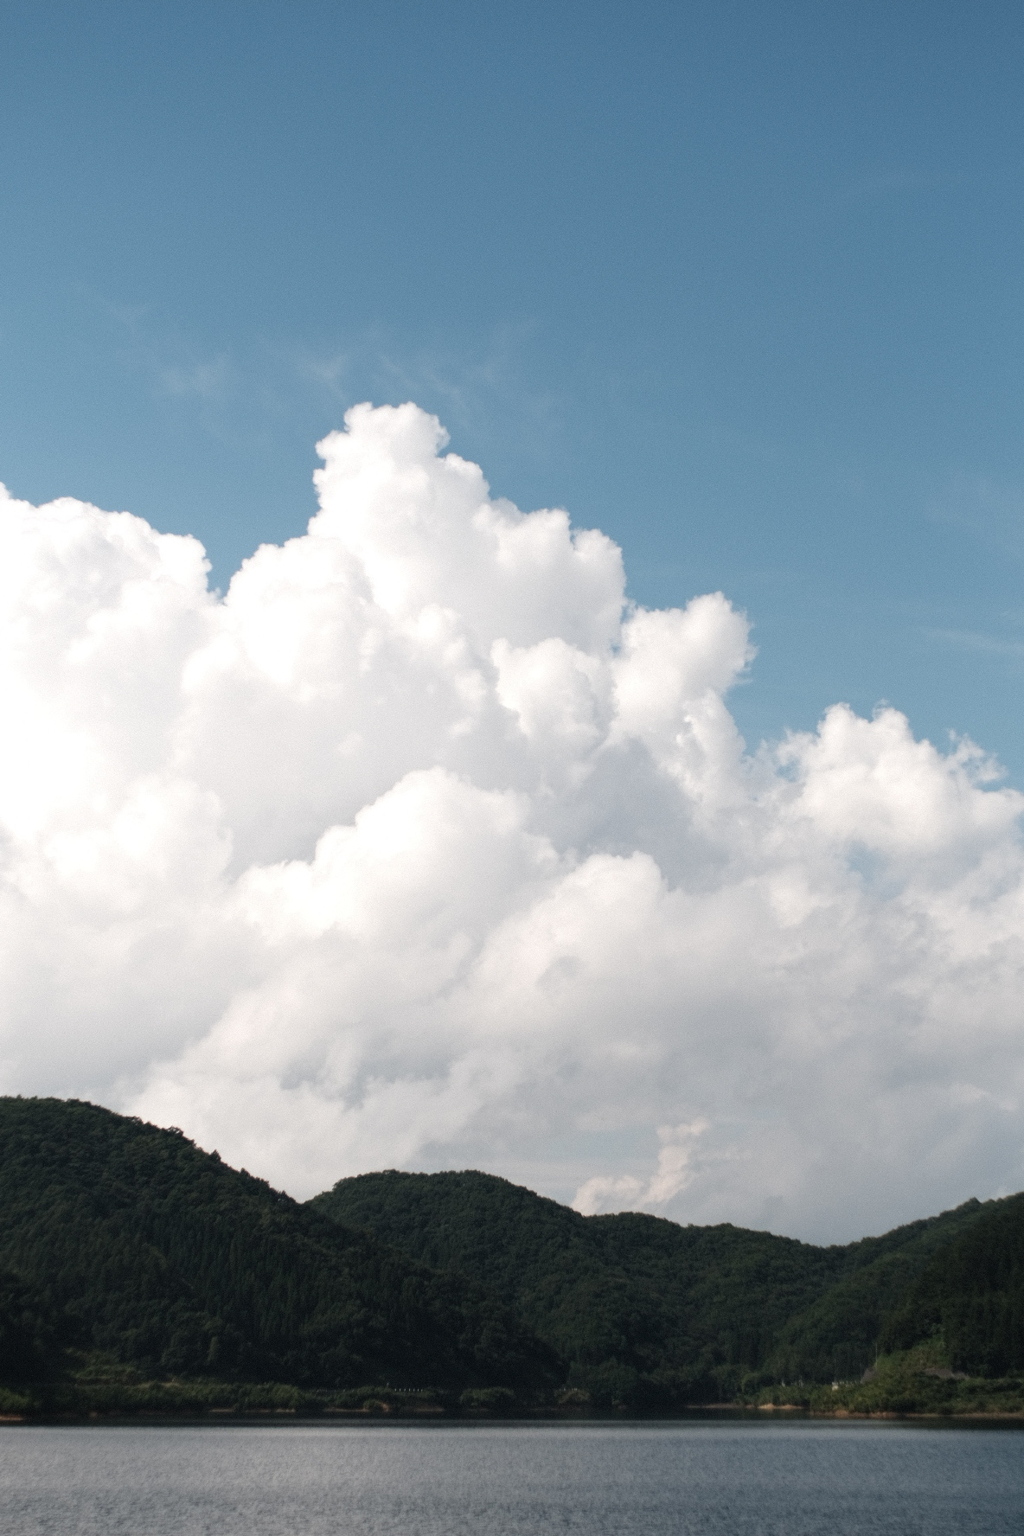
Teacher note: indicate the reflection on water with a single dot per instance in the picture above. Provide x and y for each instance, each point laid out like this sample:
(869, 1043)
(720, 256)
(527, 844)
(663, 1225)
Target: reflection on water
(687, 1479)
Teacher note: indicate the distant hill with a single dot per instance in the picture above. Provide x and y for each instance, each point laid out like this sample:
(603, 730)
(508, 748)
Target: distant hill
(841, 1332)
(124, 1238)
(971, 1295)
(124, 1248)
(642, 1309)
(639, 1307)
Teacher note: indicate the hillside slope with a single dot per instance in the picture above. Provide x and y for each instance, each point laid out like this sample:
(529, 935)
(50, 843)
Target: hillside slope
(121, 1238)
(143, 1246)
(645, 1310)
(971, 1295)
(840, 1333)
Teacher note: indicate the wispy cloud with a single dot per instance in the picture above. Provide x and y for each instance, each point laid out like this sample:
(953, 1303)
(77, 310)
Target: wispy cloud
(979, 642)
(987, 509)
(240, 396)
(211, 381)
(469, 387)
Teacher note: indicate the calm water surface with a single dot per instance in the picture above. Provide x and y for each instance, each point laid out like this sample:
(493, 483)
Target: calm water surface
(694, 1479)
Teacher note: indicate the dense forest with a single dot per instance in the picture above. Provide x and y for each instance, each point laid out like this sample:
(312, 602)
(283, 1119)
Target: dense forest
(971, 1295)
(642, 1309)
(138, 1271)
(121, 1238)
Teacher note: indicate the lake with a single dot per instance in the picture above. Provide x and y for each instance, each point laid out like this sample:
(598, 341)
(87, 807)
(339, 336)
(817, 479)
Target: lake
(690, 1478)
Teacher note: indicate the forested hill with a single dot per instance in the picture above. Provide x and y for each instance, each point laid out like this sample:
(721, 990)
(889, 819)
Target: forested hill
(971, 1294)
(642, 1309)
(120, 1237)
(126, 1244)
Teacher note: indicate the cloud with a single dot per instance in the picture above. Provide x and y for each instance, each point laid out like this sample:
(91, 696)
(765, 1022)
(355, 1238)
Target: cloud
(978, 642)
(207, 381)
(422, 847)
(675, 1172)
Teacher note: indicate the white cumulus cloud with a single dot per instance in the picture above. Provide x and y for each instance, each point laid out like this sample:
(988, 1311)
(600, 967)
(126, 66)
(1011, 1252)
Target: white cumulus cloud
(421, 847)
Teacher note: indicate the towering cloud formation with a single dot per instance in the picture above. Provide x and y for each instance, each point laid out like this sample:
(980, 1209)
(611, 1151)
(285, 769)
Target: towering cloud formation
(421, 847)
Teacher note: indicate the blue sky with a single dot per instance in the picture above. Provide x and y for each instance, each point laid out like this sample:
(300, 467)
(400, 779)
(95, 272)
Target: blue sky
(740, 284)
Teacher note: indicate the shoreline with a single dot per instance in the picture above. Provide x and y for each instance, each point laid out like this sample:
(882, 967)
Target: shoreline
(275, 1417)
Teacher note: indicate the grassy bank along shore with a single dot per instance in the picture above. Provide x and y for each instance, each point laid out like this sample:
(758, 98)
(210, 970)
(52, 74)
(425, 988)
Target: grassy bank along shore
(914, 1382)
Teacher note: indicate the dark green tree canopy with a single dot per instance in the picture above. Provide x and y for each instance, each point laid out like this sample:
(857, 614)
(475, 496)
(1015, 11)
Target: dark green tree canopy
(642, 1307)
(119, 1237)
(163, 1256)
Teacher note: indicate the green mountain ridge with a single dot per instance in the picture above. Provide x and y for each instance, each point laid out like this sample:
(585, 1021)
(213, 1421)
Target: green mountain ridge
(144, 1247)
(648, 1311)
(971, 1295)
(128, 1255)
